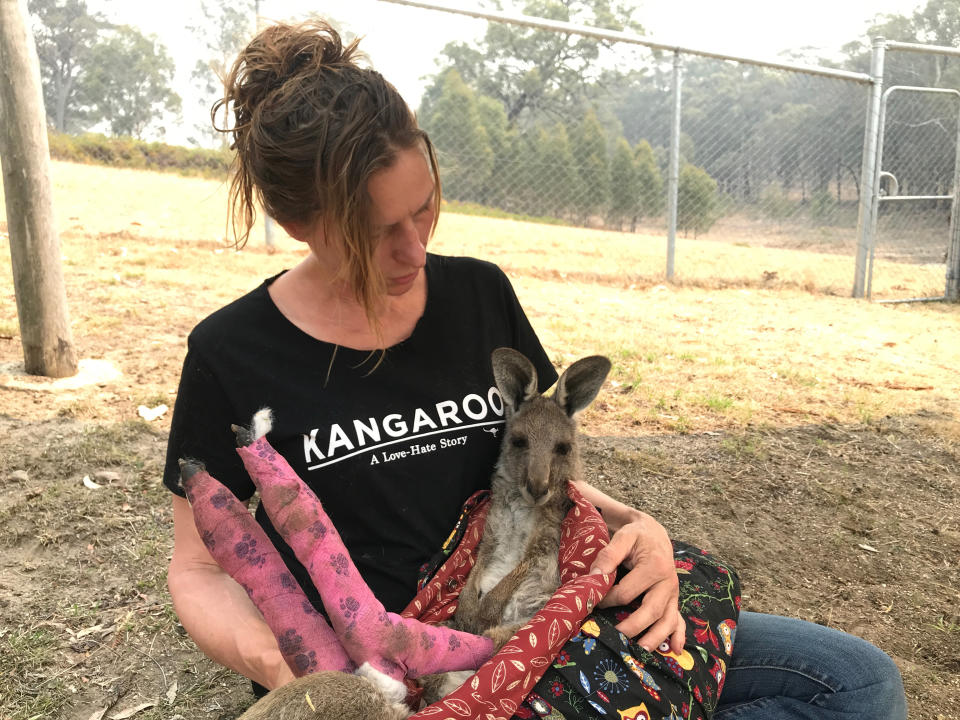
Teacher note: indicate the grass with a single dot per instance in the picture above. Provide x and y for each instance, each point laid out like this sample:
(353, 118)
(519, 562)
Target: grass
(477, 210)
(718, 403)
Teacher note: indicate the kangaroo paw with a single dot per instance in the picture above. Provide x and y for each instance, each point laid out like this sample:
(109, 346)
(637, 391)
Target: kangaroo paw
(501, 634)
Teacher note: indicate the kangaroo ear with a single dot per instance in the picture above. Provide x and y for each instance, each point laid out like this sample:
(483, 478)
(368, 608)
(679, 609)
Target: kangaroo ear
(516, 377)
(580, 383)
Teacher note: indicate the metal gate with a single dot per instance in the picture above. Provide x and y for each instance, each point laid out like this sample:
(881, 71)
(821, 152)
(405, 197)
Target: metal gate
(918, 230)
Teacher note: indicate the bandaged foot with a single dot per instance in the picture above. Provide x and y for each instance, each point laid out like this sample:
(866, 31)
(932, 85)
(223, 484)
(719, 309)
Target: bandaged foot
(390, 644)
(239, 545)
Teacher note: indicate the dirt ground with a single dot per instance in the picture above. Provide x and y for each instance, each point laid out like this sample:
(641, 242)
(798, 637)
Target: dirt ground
(811, 440)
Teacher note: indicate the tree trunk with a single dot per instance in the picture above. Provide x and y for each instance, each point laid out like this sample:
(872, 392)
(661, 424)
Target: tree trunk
(25, 160)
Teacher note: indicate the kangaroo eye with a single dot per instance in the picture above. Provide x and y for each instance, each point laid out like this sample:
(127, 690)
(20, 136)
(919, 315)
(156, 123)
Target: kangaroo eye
(562, 448)
(518, 441)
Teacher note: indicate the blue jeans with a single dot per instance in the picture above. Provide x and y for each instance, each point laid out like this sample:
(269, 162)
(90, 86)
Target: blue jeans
(786, 668)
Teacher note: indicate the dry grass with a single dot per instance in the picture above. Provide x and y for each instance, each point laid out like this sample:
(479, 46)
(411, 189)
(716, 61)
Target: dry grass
(754, 414)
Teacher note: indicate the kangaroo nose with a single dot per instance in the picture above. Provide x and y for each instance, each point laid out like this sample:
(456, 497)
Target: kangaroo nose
(538, 481)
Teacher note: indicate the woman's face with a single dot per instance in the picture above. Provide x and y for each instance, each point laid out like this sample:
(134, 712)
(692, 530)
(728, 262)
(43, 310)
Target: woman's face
(402, 212)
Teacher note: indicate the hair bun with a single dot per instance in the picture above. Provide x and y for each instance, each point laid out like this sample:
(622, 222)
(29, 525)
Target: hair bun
(310, 47)
(284, 56)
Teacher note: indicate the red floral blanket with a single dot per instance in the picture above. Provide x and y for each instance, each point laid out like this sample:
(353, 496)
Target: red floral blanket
(496, 690)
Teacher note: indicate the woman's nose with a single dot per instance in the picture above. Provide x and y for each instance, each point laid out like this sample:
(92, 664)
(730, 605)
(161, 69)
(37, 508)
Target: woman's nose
(410, 249)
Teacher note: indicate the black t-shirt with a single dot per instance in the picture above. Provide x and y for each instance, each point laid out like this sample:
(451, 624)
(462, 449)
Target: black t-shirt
(392, 450)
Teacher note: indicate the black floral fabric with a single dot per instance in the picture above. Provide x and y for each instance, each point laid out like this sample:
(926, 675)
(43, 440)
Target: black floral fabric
(601, 673)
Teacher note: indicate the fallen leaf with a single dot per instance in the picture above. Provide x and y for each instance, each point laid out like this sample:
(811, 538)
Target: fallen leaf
(867, 548)
(90, 484)
(130, 712)
(97, 714)
(172, 692)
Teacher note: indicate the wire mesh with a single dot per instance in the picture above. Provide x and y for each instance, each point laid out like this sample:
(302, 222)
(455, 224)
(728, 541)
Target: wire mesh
(918, 161)
(768, 185)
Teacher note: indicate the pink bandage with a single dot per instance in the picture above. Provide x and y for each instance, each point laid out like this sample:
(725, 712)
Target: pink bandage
(242, 549)
(396, 646)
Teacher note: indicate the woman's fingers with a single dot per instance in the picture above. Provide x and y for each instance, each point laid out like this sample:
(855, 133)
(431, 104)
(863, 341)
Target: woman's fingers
(647, 569)
(679, 637)
(668, 633)
(649, 555)
(619, 549)
(631, 586)
(657, 610)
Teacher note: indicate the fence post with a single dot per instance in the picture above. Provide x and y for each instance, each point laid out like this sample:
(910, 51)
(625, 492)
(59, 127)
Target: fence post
(952, 292)
(869, 169)
(673, 175)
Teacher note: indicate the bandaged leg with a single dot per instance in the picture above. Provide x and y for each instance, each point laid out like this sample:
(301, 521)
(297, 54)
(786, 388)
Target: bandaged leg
(242, 549)
(383, 641)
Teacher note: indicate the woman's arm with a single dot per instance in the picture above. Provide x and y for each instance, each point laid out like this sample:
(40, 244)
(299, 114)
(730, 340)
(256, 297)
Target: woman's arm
(215, 610)
(642, 545)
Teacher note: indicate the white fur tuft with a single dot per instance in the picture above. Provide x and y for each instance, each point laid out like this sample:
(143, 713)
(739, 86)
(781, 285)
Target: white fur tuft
(262, 422)
(393, 690)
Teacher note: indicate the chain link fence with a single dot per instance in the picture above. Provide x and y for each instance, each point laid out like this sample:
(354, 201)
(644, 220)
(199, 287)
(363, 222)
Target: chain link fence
(766, 172)
(913, 216)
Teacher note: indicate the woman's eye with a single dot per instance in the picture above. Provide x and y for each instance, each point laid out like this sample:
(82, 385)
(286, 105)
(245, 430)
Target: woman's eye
(561, 448)
(518, 441)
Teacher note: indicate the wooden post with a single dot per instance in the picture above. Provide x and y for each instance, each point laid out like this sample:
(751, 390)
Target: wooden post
(25, 160)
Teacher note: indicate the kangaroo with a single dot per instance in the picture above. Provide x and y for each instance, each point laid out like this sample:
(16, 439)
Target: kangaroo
(516, 571)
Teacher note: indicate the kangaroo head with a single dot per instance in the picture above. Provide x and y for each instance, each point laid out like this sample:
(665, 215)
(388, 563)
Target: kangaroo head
(540, 443)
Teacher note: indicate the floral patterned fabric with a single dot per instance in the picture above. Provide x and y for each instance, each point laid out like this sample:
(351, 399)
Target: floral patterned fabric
(568, 664)
(600, 673)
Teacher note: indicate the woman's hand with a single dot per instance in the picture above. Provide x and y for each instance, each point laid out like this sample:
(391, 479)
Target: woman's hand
(644, 548)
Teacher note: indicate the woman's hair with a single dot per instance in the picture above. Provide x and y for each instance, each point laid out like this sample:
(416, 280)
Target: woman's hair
(310, 127)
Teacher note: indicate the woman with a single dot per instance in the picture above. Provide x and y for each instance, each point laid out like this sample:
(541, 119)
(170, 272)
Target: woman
(369, 343)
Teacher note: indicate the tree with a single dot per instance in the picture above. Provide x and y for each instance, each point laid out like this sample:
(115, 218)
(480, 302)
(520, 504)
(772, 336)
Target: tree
(225, 30)
(939, 24)
(527, 69)
(503, 178)
(590, 151)
(696, 200)
(95, 72)
(34, 246)
(649, 181)
(453, 122)
(624, 184)
(556, 182)
(129, 83)
(65, 33)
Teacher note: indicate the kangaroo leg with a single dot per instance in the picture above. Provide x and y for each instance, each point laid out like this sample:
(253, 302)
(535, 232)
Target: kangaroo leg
(501, 634)
(389, 643)
(327, 696)
(242, 549)
(493, 603)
